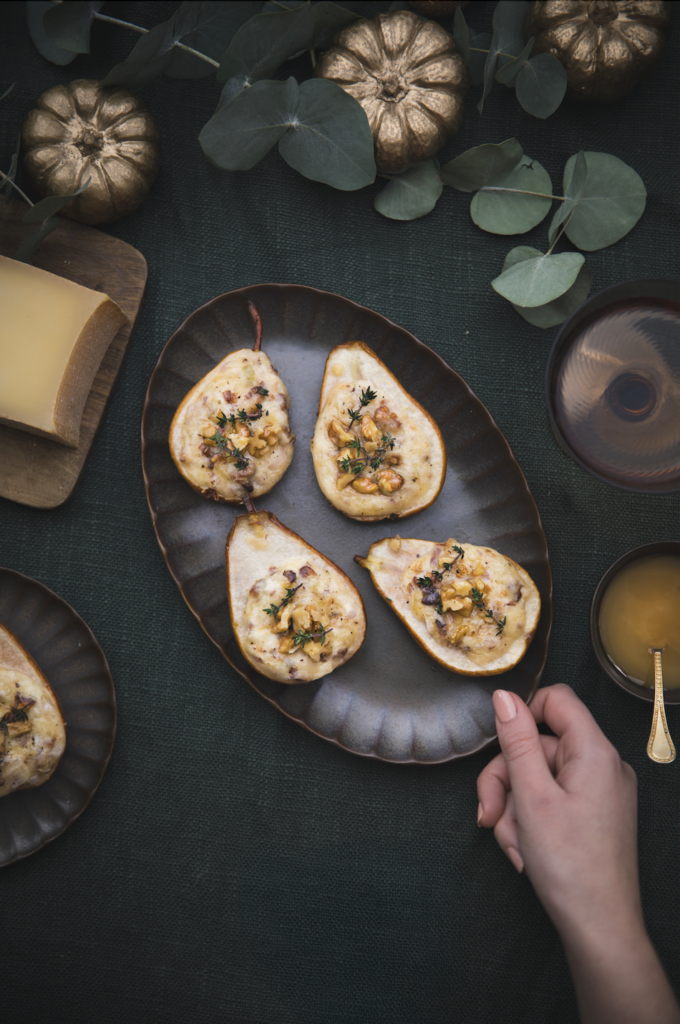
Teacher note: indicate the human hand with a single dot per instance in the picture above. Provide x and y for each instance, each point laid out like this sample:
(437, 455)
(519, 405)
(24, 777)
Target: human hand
(564, 809)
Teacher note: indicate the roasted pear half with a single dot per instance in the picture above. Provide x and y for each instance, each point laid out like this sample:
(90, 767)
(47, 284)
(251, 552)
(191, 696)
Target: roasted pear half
(471, 608)
(32, 732)
(230, 435)
(296, 616)
(376, 451)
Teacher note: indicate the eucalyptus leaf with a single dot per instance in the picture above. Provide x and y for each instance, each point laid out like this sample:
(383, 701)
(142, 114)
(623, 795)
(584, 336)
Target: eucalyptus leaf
(489, 70)
(260, 47)
(612, 201)
(541, 85)
(329, 18)
(231, 89)
(461, 34)
(150, 57)
(556, 312)
(539, 279)
(513, 213)
(31, 242)
(476, 167)
(479, 44)
(508, 23)
(572, 196)
(48, 207)
(412, 194)
(207, 26)
(43, 44)
(241, 132)
(507, 73)
(330, 140)
(68, 24)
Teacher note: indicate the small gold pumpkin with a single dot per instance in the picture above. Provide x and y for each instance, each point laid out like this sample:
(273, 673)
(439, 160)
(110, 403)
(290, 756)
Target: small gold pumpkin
(80, 131)
(407, 76)
(605, 47)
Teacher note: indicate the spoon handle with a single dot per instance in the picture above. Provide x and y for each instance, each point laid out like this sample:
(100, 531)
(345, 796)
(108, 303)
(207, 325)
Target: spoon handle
(660, 745)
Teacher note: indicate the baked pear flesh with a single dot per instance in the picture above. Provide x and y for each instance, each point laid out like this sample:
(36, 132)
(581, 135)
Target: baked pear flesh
(472, 609)
(296, 616)
(376, 451)
(32, 732)
(230, 435)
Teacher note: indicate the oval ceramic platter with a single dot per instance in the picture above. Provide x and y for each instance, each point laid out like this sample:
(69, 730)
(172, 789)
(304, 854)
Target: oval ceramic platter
(391, 701)
(75, 666)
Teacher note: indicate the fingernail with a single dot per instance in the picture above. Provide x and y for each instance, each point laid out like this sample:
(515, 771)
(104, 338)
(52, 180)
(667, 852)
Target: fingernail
(504, 706)
(516, 858)
(480, 812)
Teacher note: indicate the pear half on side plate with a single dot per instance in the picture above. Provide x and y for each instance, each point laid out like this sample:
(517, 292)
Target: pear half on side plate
(230, 435)
(32, 730)
(473, 610)
(296, 616)
(376, 451)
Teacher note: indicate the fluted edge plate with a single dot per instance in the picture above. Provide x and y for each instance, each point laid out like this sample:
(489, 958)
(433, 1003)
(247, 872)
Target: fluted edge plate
(66, 651)
(391, 701)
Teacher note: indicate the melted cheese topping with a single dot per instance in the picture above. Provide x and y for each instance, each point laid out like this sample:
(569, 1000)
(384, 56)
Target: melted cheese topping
(395, 453)
(226, 436)
(30, 749)
(472, 601)
(305, 599)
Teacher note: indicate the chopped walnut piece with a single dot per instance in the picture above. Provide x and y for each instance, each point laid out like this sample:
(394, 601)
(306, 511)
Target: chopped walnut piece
(364, 485)
(385, 419)
(339, 435)
(388, 481)
(369, 431)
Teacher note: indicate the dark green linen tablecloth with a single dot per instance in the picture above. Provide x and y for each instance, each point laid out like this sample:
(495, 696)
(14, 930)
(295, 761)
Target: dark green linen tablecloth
(233, 867)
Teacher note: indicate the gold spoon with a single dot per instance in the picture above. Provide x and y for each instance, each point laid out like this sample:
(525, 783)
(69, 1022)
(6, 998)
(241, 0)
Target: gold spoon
(660, 745)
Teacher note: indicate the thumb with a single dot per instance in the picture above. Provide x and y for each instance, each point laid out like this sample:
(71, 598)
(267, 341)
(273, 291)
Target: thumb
(528, 770)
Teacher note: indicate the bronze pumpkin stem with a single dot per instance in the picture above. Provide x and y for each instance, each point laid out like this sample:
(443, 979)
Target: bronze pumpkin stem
(252, 309)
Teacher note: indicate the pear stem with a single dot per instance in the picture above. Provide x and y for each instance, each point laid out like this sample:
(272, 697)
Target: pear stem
(252, 308)
(248, 502)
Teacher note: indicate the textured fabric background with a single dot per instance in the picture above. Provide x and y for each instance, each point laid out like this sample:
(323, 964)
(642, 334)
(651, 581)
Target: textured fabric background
(233, 867)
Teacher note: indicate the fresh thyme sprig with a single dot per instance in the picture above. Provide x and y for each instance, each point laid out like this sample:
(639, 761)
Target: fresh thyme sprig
(274, 608)
(478, 600)
(363, 458)
(303, 638)
(261, 391)
(459, 550)
(241, 416)
(367, 397)
(226, 447)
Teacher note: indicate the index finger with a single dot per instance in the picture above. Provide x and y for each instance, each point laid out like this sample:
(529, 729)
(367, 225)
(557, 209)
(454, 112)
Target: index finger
(561, 710)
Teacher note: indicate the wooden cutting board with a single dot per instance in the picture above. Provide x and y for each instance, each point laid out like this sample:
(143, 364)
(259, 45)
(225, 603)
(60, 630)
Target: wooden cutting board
(34, 470)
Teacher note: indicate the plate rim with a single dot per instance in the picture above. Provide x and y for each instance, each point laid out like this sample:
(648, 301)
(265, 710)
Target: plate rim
(25, 579)
(547, 603)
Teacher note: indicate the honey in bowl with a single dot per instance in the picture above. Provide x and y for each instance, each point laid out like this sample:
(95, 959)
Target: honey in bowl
(641, 609)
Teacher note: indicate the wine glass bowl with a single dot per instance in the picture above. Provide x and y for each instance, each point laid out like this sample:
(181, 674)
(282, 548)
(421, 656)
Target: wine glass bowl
(613, 386)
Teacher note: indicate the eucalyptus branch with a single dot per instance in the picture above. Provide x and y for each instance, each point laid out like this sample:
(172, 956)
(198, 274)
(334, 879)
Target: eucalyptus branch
(143, 31)
(522, 191)
(560, 232)
(6, 178)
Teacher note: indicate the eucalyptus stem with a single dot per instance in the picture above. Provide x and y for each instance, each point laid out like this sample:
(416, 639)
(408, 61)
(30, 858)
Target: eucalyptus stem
(560, 232)
(6, 178)
(522, 191)
(143, 31)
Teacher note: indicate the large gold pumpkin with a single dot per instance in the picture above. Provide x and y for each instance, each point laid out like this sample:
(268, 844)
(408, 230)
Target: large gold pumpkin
(80, 131)
(605, 47)
(407, 76)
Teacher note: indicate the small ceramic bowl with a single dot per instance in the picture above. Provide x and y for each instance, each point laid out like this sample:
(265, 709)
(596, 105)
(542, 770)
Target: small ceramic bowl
(662, 547)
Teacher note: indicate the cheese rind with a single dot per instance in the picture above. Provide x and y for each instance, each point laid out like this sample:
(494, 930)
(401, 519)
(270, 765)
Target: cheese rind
(53, 336)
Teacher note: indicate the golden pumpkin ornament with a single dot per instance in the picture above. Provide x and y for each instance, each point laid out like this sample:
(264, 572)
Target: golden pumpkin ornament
(605, 47)
(408, 77)
(83, 130)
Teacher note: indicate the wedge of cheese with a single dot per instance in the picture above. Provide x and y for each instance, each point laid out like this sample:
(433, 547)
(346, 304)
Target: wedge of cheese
(53, 335)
